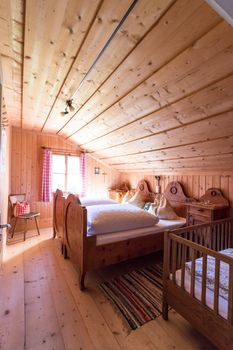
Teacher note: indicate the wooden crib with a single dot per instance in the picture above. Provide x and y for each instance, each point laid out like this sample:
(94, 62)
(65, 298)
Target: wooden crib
(206, 310)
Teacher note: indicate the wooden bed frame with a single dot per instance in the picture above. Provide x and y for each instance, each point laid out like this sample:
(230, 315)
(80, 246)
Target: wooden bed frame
(83, 250)
(58, 216)
(187, 244)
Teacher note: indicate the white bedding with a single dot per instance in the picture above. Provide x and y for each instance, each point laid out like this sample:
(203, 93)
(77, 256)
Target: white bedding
(107, 218)
(124, 235)
(87, 201)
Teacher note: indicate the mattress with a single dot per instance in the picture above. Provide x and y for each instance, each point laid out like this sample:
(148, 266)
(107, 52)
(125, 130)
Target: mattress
(163, 225)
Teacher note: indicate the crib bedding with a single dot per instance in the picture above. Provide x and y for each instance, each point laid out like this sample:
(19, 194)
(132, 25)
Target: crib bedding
(162, 225)
(223, 304)
(107, 218)
(210, 273)
(223, 281)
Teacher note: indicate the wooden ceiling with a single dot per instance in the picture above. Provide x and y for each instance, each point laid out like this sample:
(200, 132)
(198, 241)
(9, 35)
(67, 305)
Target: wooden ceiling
(159, 99)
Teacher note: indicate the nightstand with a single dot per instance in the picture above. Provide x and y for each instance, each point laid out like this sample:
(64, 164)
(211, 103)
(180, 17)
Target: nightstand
(212, 206)
(198, 213)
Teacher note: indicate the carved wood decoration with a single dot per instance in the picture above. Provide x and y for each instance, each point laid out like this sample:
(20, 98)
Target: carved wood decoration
(214, 196)
(176, 197)
(144, 187)
(132, 112)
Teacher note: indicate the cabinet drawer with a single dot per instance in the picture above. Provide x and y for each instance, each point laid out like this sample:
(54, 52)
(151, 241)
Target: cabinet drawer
(207, 213)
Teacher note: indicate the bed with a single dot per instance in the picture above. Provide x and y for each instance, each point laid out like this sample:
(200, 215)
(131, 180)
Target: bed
(58, 212)
(88, 252)
(198, 278)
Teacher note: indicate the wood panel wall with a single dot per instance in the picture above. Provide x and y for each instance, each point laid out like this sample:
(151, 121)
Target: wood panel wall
(26, 169)
(194, 185)
(98, 184)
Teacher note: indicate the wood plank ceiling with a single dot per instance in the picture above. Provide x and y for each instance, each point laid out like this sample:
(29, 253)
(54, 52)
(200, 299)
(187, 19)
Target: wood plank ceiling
(159, 99)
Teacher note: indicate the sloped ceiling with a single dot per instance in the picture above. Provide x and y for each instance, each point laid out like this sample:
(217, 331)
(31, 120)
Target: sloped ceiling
(159, 99)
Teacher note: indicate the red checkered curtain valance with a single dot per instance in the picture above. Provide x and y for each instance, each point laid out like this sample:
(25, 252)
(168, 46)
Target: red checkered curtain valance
(47, 176)
(83, 173)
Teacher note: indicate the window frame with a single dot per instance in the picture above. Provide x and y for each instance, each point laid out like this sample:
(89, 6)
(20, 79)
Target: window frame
(66, 155)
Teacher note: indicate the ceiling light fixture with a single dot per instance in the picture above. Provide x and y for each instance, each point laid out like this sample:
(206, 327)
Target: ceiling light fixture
(68, 108)
(69, 103)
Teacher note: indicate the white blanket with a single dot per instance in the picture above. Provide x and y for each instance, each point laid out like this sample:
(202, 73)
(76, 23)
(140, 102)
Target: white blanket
(108, 218)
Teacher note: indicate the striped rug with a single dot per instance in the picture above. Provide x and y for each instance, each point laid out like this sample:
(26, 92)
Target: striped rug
(137, 295)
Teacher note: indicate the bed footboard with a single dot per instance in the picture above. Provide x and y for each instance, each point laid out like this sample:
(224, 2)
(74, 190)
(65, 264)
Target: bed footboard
(75, 233)
(185, 285)
(58, 215)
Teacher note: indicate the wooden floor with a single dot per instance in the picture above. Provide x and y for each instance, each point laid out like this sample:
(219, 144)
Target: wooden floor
(41, 306)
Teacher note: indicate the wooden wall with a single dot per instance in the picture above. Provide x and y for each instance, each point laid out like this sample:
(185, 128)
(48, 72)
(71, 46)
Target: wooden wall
(194, 185)
(26, 168)
(98, 184)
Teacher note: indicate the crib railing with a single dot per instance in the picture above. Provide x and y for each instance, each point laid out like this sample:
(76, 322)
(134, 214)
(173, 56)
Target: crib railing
(189, 243)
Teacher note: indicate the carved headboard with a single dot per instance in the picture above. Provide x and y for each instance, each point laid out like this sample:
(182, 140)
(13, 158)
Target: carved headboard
(176, 197)
(173, 192)
(144, 187)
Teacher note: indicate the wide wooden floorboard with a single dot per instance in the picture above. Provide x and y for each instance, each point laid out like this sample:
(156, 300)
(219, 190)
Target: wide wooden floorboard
(41, 306)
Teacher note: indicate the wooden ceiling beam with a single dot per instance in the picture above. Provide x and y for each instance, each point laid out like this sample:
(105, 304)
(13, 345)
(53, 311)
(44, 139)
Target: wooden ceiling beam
(146, 14)
(177, 80)
(211, 100)
(170, 160)
(71, 66)
(161, 12)
(54, 32)
(173, 35)
(198, 163)
(206, 129)
(204, 148)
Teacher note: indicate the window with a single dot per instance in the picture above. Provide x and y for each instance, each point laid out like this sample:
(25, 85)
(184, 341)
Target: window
(66, 173)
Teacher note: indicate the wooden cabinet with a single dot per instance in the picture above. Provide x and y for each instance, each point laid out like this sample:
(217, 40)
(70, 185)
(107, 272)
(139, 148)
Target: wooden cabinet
(212, 206)
(199, 212)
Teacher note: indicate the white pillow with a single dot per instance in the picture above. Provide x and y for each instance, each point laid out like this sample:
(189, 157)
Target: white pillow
(153, 209)
(165, 211)
(138, 200)
(127, 197)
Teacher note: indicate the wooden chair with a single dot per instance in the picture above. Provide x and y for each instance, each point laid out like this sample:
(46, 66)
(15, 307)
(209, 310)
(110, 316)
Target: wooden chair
(13, 199)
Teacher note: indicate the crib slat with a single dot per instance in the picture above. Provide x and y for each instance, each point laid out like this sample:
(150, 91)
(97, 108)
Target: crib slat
(193, 272)
(218, 237)
(216, 284)
(184, 254)
(178, 256)
(174, 260)
(214, 239)
(203, 285)
(230, 295)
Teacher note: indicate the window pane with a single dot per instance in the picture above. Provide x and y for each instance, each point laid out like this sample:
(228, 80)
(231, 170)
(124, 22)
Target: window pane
(74, 183)
(73, 165)
(58, 181)
(59, 164)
